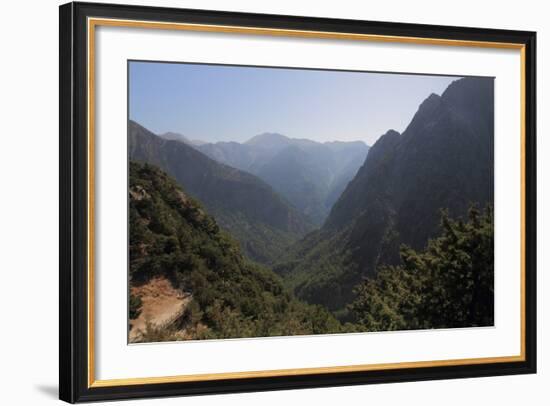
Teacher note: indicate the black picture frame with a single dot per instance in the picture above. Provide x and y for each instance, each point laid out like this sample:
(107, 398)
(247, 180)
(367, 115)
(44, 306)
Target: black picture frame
(73, 256)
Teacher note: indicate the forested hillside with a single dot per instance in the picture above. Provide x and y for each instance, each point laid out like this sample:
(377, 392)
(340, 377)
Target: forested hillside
(173, 238)
(263, 222)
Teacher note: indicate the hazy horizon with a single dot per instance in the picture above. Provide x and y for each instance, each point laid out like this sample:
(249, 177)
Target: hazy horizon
(318, 105)
(244, 141)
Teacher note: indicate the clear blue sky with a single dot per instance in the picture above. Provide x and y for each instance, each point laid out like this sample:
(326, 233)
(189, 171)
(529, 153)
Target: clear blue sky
(225, 103)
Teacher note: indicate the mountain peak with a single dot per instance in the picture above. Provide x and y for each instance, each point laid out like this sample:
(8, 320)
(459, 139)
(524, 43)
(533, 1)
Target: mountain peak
(471, 96)
(389, 138)
(382, 147)
(173, 136)
(468, 84)
(391, 133)
(269, 140)
(431, 102)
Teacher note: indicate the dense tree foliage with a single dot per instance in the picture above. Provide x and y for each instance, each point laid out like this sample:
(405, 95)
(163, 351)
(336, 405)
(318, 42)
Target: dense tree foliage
(135, 306)
(449, 284)
(172, 236)
(335, 273)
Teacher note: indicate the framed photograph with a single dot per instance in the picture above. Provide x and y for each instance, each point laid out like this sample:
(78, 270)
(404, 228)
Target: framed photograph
(256, 202)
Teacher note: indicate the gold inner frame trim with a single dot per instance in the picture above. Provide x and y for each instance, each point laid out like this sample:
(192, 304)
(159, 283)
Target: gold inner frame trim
(94, 22)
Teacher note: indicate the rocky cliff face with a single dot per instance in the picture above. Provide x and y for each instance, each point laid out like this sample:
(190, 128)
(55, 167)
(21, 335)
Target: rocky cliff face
(443, 160)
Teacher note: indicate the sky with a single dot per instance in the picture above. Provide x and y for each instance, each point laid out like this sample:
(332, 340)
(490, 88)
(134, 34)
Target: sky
(234, 103)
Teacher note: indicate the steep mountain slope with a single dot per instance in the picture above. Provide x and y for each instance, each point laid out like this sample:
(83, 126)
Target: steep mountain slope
(262, 221)
(311, 175)
(240, 156)
(444, 159)
(347, 158)
(303, 176)
(218, 292)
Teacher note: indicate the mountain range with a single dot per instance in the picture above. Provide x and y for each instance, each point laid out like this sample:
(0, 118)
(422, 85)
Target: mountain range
(443, 160)
(262, 221)
(311, 175)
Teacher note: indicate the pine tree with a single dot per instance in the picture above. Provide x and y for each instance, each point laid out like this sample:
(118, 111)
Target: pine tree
(448, 285)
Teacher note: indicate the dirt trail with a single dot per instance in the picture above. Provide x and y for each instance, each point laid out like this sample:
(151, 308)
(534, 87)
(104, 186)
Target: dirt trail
(161, 303)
